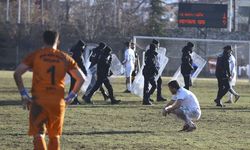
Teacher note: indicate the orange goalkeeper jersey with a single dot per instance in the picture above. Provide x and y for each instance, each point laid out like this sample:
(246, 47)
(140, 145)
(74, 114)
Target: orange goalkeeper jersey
(49, 67)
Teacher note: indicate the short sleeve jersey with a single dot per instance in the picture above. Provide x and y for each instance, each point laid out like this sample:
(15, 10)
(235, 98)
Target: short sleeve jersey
(49, 67)
(129, 57)
(187, 98)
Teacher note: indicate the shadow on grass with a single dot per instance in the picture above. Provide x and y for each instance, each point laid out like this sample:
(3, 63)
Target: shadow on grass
(101, 103)
(123, 104)
(241, 109)
(8, 90)
(98, 104)
(106, 132)
(139, 106)
(10, 102)
(13, 134)
(85, 133)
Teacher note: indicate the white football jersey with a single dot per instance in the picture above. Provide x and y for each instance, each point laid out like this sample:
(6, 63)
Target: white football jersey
(187, 98)
(129, 57)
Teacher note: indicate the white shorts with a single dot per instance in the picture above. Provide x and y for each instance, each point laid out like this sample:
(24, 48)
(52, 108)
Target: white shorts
(128, 70)
(192, 113)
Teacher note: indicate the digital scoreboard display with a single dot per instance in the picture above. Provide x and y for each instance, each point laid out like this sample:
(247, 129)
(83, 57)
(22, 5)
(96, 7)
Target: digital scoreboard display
(202, 15)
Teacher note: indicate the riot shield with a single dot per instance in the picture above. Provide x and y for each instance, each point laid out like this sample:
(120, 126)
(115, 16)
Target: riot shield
(116, 66)
(199, 64)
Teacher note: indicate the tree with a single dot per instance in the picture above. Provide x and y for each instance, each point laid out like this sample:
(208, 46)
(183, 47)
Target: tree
(155, 21)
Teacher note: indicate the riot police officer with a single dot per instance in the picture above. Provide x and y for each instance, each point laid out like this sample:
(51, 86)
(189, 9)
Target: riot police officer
(103, 72)
(223, 75)
(77, 52)
(150, 70)
(187, 64)
(159, 81)
(93, 69)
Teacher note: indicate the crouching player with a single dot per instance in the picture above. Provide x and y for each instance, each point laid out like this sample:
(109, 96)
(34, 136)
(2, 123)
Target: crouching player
(184, 105)
(47, 105)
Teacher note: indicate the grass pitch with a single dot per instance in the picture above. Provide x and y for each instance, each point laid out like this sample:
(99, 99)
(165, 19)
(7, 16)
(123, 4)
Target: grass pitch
(131, 125)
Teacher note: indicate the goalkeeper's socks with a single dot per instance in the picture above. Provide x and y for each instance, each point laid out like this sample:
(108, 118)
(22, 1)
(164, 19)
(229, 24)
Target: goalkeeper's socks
(39, 143)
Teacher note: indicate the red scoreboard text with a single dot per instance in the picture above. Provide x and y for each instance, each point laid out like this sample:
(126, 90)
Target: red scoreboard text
(202, 15)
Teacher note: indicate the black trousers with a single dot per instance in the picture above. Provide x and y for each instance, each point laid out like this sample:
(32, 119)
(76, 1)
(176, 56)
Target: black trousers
(99, 82)
(223, 87)
(146, 91)
(159, 83)
(72, 84)
(187, 81)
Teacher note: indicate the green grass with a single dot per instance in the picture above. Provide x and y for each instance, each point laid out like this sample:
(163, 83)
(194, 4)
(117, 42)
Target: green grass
(131, 125)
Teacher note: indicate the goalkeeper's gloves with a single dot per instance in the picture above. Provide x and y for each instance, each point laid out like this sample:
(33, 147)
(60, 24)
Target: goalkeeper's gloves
(26, 99)
(70, 98)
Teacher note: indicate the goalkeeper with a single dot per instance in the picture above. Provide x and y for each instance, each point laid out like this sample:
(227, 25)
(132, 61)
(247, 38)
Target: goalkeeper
(47, 105)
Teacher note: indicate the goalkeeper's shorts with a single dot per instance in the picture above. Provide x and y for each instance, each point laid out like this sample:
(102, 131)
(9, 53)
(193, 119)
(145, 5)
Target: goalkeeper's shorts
(46, 117)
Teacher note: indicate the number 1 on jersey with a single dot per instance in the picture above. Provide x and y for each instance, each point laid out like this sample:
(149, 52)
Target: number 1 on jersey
(51, 70)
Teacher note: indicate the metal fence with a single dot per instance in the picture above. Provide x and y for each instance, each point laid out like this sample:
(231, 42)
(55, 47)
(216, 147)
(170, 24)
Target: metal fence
(208, 49)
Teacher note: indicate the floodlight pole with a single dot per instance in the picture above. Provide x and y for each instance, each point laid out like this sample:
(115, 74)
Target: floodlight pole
(42, 7)
(29, 11)
(230, 15)
(115, 13)
(7, 10)
(19, 12)
(235, 15)
(18, 31)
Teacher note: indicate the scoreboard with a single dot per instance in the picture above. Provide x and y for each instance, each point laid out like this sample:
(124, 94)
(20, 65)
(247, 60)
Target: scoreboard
(202, 15)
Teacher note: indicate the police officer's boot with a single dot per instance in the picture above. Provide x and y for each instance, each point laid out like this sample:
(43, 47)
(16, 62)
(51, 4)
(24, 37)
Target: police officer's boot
(114, 101)
(87, 99)
(146, 100)
(75, 102)
(104, 94)
(159, 96)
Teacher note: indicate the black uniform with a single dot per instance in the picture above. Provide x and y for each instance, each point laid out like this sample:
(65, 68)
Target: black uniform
(159, 96)
(103, 71)
(159, 81)
(186, 66)
(95, 54)
(223, 75)
(150, 70)
(77, 52)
